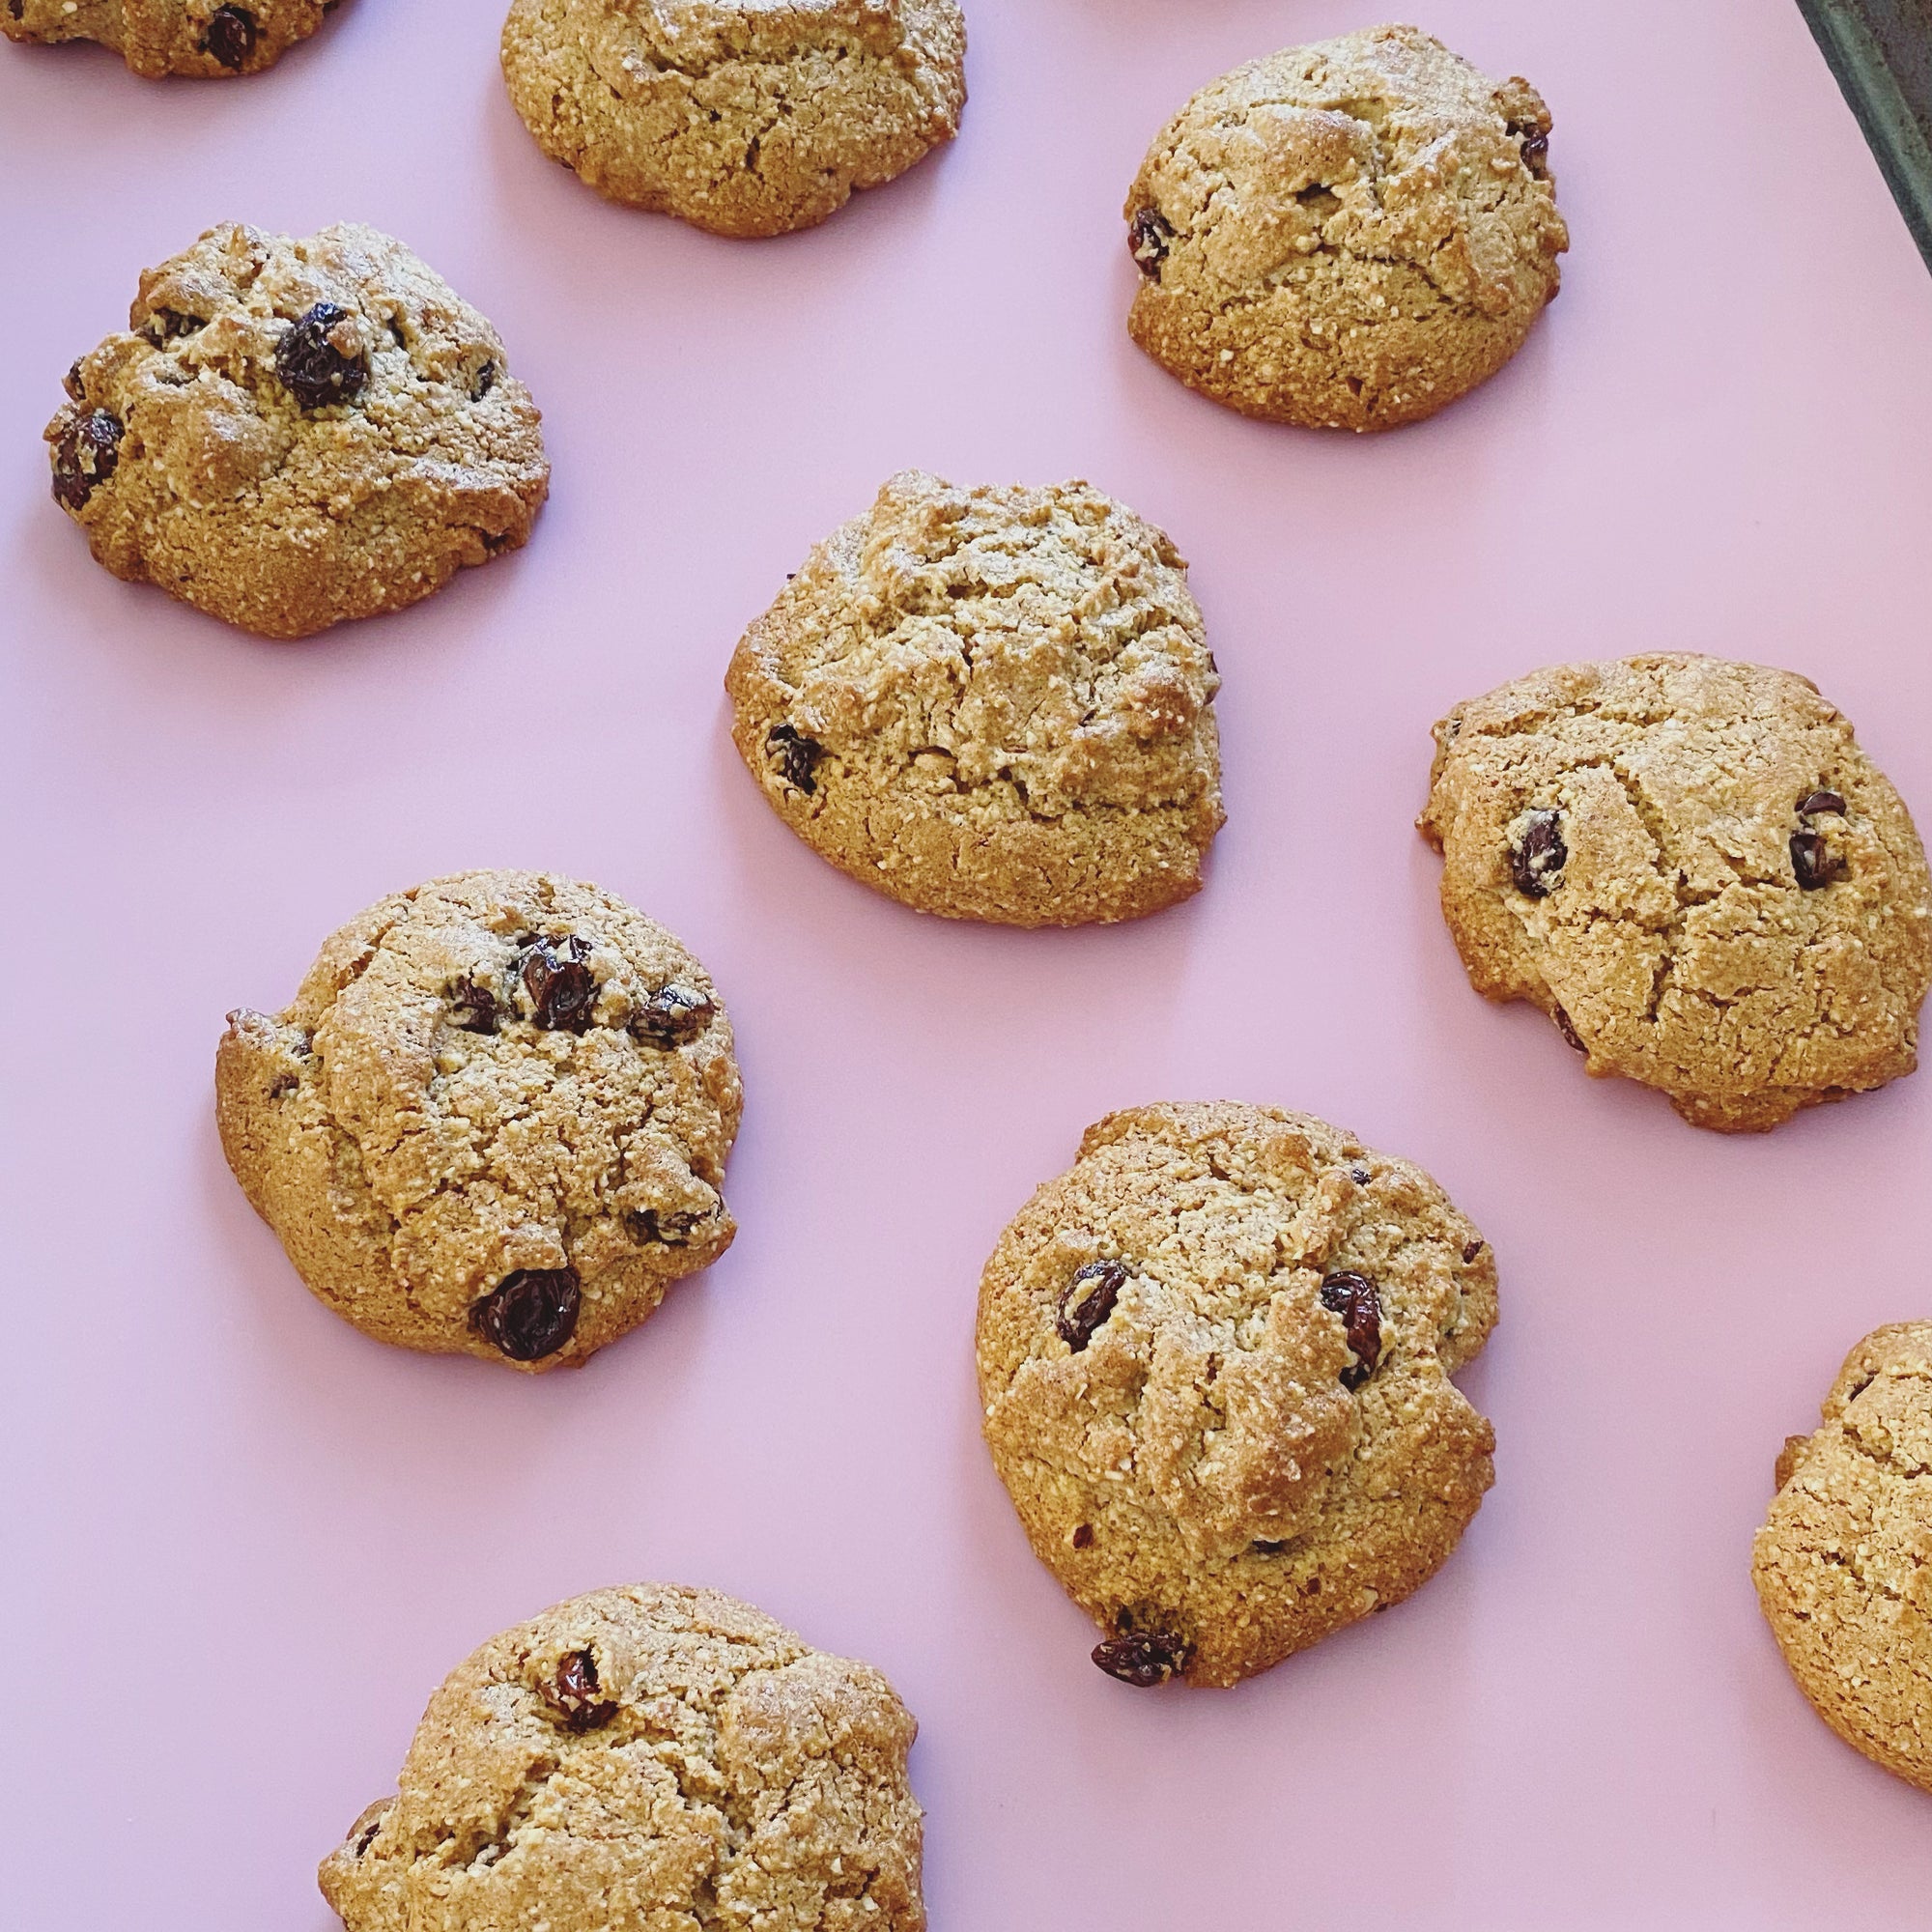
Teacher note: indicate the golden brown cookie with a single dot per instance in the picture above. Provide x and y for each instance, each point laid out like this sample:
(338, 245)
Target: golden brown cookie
(1347, 236)
(651, 1757)
(990, 703)
(199, 38)
(494, 1119)
(1690, 866)
(1843, 1564)
(1214, 1361)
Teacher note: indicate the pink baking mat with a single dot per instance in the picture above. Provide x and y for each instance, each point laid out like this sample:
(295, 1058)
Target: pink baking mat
(242, 1544)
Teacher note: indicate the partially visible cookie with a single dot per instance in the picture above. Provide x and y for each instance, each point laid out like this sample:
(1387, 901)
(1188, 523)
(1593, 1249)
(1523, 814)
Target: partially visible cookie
(645, 1757)
(990, 703)
(745, 117)
(198, 37)
(1348, 235)
(1690, 866)
(294, 432)
(494, 1119)
(1843, 1564)
(1214, 1362)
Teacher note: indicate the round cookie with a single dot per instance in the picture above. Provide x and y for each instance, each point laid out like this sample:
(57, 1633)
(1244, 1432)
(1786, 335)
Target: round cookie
(1346, 236)
(494, 1119)
(992, 704)
(1843, 1564)
(744, 117)
(292, 433)
(1214, 1362)
(199, 38)
(650, 1756)
(1690, 864)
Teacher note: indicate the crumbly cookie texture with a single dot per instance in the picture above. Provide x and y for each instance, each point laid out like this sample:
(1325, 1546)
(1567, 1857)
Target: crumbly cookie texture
(1843, 1564)
(294, 432)
(197, 37)
(1214, 1362)
(1346, 236)
(990, 703)
(651, 1757)
(745, 117)
(494, 1119)
(1690, 866)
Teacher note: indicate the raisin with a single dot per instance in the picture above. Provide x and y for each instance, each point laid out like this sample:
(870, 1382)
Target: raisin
(84, 458)
(798, 758)
(1813, 860)
(662, 1225)
(314, 371)
(472, 1008)
(1143, 1660)
(1539, 854)
(561, 987)
(75, 383)
(1823, 800)
(231, 36)
(169, 325)
(1149, 235)
(1567, 1027)
(1083, 1537)
(672, 1015)
(486, 381)
(1356, 1300)
(1087, 1301)
(1471, 1250)
(572, 1693)
(529, 1314)
(1535, 147)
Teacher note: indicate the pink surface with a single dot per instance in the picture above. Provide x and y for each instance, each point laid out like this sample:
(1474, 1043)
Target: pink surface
(243, 1543)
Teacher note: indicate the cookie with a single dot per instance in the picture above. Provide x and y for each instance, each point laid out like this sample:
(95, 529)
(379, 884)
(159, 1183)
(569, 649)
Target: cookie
(197, 37)
(1214, 1362)
(494, 1119)
(1692, 868)
(645, 1757)
(744, 117)
(990, 703)
(1843, 1564)
(292, 433)
(1346, 236)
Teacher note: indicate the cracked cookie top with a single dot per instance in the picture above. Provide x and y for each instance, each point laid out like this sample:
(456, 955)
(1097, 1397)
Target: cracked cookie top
(290, 433)
(493, 1121)
(744, 117)
(990, 703)
(201, 38)
(1348, 235)
(1843, 1564)
(1214, 1362)
(1690, 866)
(642, 1757)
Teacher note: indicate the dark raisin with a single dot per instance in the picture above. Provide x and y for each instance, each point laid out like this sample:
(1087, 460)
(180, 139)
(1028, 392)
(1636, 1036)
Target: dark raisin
(486, 381)
(472, 1008)
(231, 36)
(1262, 1548)
(75, 383)
(16, 7)
(798, 758)
(365, 1829)
(1567, 1027)
(315, 372)
(666, 1226)
(572, 1693)
(1354, 1299)
(84, 458)
(1149, 235)
(169, 325)
(1816, 802)
(671, 1015)
(1143, 1661)
(1086, 1301)
(1471, 1250)
(561, 987)
(1813, 860)
(1083, 1537)
(530, 1313)
(1360, 1174)
(1539, 855)
(1535, 147)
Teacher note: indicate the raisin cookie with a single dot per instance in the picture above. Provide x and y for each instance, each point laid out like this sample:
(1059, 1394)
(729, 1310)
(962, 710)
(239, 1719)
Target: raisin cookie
(744, 117)
(645, 1757)
(1346, 236)
(162, 36)
(1214, 1362)
(292, 433)
(1843, 1564)
(1692, 868)
(990, 703)
(494, 1119)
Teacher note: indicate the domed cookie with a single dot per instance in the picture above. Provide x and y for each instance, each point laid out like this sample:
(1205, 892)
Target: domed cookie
(1843, 1564)
(1690, 866)
(1346, 236)
(292, 433)
(1214, 1361)
(745, 117)
(197, 37)
(990, 703)
(645, 1757)
(494, 1119)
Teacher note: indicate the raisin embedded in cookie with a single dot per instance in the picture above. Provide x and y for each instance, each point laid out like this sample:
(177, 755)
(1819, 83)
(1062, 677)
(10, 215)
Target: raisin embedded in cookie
(1346, 236)
(650, 1756)
(494, 1119)
(1214, 1362)
(1843, 1564)
(198, 37)
(990, 703)
(1690, 866)
(292, 433)
(740, 116)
